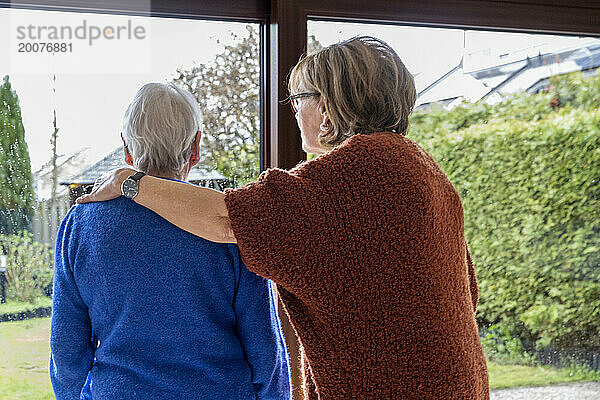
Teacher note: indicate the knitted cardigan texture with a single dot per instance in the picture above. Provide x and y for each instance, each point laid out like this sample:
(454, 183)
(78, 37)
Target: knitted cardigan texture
(366, 244)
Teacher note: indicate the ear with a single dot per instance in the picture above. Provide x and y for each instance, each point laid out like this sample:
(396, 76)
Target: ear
(128, 157)
(324, 115)
(195, 157)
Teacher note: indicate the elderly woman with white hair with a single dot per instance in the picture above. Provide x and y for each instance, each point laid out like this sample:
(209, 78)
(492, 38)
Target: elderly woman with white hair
(145, 310)
(365, 242)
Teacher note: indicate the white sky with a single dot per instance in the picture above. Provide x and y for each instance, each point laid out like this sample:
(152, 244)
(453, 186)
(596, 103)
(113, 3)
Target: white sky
(90, 105)
(430, 52)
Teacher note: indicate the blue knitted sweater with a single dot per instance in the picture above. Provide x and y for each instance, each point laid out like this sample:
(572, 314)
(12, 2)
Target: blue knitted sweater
(153, 312)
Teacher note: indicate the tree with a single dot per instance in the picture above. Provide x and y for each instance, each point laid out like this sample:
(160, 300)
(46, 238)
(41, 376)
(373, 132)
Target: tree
(228, 93)
(16, 192)
(53, 142)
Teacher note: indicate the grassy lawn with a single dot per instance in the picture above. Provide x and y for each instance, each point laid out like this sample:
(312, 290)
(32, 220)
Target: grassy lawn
(24, 362)
(25, 356)
(508, 376)
(13, 307)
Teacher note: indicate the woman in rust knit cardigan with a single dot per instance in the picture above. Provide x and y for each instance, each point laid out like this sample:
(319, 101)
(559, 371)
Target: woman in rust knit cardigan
(365, 242)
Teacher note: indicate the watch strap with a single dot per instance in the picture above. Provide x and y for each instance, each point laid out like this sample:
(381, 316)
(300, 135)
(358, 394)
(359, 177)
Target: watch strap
(137, 176)
(131, 191)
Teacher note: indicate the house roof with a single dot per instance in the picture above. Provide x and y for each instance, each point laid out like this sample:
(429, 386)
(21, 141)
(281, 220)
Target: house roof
(67, 166)
(521, 74)
(116, 160)
(61, 159)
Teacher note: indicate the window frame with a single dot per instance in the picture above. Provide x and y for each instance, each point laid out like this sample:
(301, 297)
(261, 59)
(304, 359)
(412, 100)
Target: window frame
(284, 28)
(283, 34)
(288, 21)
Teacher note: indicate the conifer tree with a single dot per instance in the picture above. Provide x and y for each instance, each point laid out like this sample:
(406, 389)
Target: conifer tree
(16, 181)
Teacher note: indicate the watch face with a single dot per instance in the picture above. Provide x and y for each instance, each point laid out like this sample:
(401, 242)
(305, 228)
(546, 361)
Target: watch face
(130, 188)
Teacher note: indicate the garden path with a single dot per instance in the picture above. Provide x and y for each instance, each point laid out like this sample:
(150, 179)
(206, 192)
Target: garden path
(571, 391)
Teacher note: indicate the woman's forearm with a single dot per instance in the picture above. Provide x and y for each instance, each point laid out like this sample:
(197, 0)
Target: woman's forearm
(200, 211)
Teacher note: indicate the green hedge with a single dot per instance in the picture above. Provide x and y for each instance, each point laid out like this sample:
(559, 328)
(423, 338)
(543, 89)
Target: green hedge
(529, 177)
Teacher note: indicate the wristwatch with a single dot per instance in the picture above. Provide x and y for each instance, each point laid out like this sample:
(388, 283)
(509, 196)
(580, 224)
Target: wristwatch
(130, 186)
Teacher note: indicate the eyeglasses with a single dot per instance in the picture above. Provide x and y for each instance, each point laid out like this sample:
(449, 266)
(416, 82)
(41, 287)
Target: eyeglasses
(293, 99)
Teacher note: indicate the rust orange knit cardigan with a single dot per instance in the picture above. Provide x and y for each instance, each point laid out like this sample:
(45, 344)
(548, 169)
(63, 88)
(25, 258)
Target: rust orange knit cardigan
(366, 244)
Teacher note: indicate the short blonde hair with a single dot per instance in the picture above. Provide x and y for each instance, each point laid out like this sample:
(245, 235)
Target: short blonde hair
(364, 84)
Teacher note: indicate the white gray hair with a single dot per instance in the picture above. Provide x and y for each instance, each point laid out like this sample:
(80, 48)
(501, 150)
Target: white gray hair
(159, 128)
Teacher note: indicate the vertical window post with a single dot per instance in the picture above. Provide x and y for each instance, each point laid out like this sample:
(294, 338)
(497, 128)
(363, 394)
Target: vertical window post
(2, 278)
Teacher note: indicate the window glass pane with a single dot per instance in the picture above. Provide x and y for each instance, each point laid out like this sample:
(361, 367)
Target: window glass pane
(61, 117)
(512, 119)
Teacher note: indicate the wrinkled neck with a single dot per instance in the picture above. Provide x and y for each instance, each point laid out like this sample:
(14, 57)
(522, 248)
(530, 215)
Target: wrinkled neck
(180, 177)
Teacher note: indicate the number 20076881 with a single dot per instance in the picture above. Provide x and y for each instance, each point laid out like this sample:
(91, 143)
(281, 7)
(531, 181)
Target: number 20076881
(45, 47)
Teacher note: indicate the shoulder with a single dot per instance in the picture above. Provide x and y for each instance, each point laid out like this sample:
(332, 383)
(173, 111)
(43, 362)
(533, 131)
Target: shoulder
(358, 156)
(89, 212)
(82, 217)
(389, 152)
(359, 148)
(107, 223)
(354, 148)
(111, 217)
(383, 145)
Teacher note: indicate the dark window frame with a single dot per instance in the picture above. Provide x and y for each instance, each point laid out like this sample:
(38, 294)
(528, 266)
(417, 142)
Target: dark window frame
(284, 29)
(283, 35)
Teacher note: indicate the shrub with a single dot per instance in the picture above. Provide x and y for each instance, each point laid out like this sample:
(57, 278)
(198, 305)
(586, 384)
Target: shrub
(500, 345)
(528, 175)
(29, 267)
